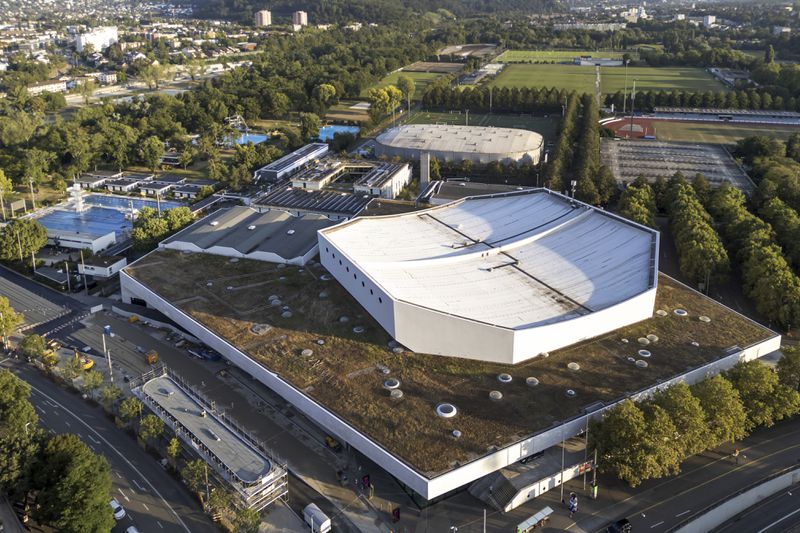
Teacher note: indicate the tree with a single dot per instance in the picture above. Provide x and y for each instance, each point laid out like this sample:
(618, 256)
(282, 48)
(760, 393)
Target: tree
(32, 346)
(788, 367)
(407, 87)
(309, 126)
(130, 408)
(151, 152)
(756, 146)
(109, 394)
(618, 441)
(21, 238)
(173, 449)
(726, 419)
(187, 156)
(769, 55)
(687, 414)
(247, 521)
(92, 381)
(793, 146)
(18, 433)
(219, 500)
(383, 100)
(435, 169)
(74, 487)
(194, 474)
(324, 94)
(37, 163)
(86, 90)
(72, 368)
(6, 187)
(763, 399)
(638, 204)
(150, 428)
(9, 319)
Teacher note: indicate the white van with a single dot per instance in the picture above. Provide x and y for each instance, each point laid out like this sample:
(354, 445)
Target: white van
(316, 519)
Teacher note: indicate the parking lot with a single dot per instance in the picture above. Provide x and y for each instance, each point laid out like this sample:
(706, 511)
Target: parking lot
(33, 307)
(629, 159)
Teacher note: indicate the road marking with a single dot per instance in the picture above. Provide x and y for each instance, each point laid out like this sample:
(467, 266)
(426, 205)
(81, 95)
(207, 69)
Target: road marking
(123, 495)
(683, 513)
(93, 439)
(657, 524)
(39, 409)
(68, 424)
(159, 524)
(139, 486)
(4, 360)
(779, 520)
(146, 507)
(118, 474)
(177, 517)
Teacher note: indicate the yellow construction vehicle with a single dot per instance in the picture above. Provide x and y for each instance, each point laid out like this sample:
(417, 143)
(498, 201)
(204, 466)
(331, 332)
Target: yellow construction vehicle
(151, 357)
(86, 362)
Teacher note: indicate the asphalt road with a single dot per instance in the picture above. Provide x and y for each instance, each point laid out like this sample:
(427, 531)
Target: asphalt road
(779, 513)
(154, 500)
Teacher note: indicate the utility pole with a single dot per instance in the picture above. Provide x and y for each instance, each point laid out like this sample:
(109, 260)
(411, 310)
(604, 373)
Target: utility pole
(484, 521)
(3, 323)
(33, 195)
(158, 203)
(107, 353)
(561, 475)
(2, 203)
(69, 285)
(625, 92)
(85, 284)
(467, 119)
(633, 102)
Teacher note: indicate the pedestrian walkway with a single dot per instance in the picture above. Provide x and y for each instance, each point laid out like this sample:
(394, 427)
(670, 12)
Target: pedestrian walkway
(9, 523)
(281, 519)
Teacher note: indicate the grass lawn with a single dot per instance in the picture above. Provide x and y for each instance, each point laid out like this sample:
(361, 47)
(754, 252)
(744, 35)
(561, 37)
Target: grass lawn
(546, 127)
(612, 79)
(421, 81)
(570, 77)
(344, 112)
(716, 133)
(517, 56)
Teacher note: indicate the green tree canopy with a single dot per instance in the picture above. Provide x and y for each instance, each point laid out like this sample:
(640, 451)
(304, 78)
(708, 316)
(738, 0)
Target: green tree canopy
(18, 431)
(686, 412)
(20, 238)
(765, 400)
(151, 151)
(130, 408)
(9, 319)
(74, 486)
(150, 428)
(309, 125)
(726, 419)
(32, 346)
(788, 367)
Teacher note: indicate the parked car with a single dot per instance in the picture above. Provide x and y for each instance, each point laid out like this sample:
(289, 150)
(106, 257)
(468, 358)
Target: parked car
(119, 511)
(620, 526)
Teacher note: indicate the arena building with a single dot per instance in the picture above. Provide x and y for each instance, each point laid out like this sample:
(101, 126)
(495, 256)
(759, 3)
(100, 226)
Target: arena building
(458, 143)
(500, 278)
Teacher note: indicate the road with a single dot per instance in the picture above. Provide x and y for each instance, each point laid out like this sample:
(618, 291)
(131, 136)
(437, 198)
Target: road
(153, 499)
(779, 513)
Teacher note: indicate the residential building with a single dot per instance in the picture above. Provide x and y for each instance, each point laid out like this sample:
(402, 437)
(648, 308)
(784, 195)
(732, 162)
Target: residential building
(300, 18)
(263, 18)
(99, 38)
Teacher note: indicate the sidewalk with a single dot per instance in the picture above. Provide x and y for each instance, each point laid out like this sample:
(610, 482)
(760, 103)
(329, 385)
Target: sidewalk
(8, 520)
(281, 519)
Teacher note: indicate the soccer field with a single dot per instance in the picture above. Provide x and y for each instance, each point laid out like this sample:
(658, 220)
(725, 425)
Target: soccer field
(570, 77)
(717, 133)
(612, 79)
(521, 56)
(421, 81)
(546, 127)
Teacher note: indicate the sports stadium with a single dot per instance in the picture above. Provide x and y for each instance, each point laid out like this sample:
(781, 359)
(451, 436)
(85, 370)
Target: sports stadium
(499, 278)
(478, 144)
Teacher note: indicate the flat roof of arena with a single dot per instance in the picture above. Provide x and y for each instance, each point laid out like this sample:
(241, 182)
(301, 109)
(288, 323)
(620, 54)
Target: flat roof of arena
(514, 260)
(461, 139)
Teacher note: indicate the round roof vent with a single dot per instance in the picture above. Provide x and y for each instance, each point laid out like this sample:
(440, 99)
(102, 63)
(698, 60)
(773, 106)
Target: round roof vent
(641, 363)
(210, 284)
(531, 381)
(275, 303)
(391, 383)
(631, 359)
(251, 227)
(574, 366)
(395, 394)
(495, 395)
(325, 277)
(323, 294)
(230, 287)
(359, 329)
(570, 393)
(307, 352)
(233, 260)
(695, 344)
(644, 341)
(681, 312)
(286, 314)
(545, 354)
(661, 312)
(456, 434)
(644, 353)
(446, 410)
(290, 232)
(625, 341)
(260, 329)
(652, 338)
(321, 342)
(282, 278)
(504, 378)
(281, 265)
(704, 318)
(344, 319)
(397, 349)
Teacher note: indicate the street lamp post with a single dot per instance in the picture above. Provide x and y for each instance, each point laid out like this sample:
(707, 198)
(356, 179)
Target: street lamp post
(625, 92)
(3, 324)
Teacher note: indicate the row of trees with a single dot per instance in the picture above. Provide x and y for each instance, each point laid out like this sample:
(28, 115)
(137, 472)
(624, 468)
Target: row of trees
(20, 238)
(701, 254)
(766, 275)
(638, 203)
(650, 439)
(68, 484)
(151, 227)
(739, 99)
(443, 95)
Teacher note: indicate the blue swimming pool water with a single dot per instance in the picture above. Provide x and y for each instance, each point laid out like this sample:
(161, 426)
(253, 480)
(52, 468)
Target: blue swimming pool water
(326, 133)
(106, 214)
(254, 138)
(123, 202)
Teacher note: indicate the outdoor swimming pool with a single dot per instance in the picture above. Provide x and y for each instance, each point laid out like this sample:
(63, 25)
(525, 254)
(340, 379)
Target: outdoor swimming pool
(326, 133)
(254, 138)
(105, 214)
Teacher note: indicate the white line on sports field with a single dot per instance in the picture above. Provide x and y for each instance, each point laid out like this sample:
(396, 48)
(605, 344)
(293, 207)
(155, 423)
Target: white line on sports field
(76, 417)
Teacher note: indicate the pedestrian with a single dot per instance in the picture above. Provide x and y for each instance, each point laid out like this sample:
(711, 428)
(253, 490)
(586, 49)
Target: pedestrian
(736, 455)
(573, 504)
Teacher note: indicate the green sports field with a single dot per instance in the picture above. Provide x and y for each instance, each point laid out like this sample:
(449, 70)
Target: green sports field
(570, 77)
(421, 80)
(716, 133)
(523, 56)
(612, 79)
(546, 127)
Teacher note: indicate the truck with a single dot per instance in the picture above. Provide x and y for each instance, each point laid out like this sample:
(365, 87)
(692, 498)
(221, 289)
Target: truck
(316, 519)
(151, 357)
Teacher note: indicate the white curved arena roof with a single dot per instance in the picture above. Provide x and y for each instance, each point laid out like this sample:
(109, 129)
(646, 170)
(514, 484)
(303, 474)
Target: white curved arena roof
(515, 260)
(461, 139)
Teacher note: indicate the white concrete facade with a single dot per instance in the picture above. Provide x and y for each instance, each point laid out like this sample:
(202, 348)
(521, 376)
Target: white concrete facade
(100, 38)
(500, 278)
(81, 241)
(428, 488)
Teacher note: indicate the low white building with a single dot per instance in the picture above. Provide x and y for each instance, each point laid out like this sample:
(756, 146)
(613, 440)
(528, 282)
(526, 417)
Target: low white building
(500, 278)
(102, 266)
(50, 86)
